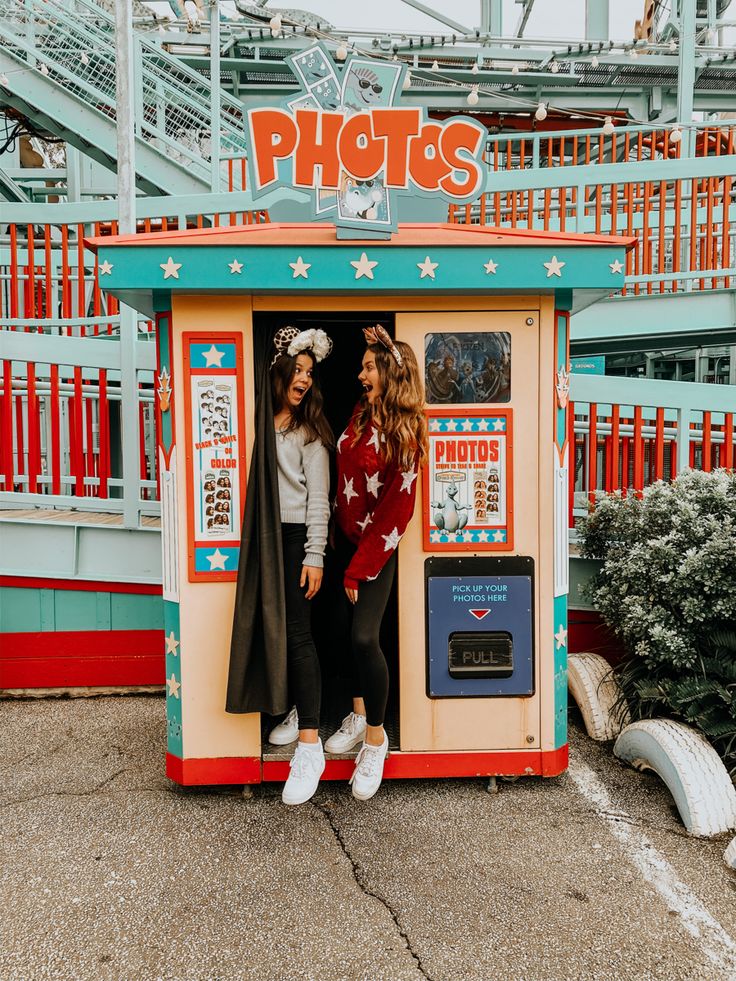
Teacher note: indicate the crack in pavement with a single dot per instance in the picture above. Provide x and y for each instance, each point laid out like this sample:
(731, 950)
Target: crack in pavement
(366, 890)
(66, 793)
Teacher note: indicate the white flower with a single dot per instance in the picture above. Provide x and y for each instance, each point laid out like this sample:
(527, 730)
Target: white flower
(313, 340)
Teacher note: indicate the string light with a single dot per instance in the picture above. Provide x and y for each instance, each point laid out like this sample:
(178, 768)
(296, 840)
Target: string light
(594, 62)
(341, 52)
(406, 84)
(515, 70)
(475, 70)
(473, 98)
(541, 113)
(676, 134)
(275, 25)
(608, 126)
(673, 45)
(4, 80)
(84, 59)
(435, 65)
(44, 69)
(554, 67)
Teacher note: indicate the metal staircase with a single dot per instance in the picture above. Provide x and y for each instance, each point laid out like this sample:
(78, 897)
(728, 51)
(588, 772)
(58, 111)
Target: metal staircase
(57, 66)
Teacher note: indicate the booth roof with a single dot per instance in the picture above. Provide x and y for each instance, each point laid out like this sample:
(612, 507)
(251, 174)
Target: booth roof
(318, 234)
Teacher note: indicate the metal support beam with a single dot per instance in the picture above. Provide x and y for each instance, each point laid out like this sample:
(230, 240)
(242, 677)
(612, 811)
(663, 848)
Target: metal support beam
(215, 95)
(491, 17)
(124, 115)
(686, 71)
(596, 20)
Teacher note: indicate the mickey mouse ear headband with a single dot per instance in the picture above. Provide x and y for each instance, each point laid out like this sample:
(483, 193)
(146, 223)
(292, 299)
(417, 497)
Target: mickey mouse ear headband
(292, 341)
(379, 335)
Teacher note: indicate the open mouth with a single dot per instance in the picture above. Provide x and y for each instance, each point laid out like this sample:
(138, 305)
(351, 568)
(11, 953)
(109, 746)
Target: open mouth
(298, 392)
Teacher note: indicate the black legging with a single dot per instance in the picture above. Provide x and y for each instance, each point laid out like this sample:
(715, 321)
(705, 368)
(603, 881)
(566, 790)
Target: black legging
(305, 683)
(370, 671)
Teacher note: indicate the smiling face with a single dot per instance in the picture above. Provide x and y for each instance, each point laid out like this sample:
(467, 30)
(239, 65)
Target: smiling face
(300, 382)
(369, 378)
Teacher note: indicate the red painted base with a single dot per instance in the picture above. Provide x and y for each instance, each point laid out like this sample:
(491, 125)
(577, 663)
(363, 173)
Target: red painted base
(91, 658)
(210, 772)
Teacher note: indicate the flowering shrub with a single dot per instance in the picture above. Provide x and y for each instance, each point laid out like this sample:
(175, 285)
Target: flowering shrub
(668, 590)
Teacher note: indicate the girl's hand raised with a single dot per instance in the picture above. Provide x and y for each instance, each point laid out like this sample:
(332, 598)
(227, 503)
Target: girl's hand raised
(311, 575)
(352, 595)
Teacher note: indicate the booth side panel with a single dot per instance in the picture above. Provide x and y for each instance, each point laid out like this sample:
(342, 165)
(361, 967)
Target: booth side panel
(457, 722)
(216, 747)
(563, 453)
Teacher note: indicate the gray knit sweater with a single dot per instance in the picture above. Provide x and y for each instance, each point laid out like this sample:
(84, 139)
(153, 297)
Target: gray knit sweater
(304, 486)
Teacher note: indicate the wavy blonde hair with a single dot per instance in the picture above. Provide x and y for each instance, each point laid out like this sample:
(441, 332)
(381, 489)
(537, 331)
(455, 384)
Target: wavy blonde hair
(399, 411)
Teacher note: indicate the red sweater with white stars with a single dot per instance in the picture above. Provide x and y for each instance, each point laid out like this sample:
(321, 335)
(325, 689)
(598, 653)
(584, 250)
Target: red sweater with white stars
(374, 502)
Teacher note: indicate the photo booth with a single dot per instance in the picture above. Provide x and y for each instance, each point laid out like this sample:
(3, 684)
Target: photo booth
(478, 647)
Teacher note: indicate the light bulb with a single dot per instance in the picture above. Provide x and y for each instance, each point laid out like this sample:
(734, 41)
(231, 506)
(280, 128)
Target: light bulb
(675, 134)
(608, 126)
(554, 67)
(341, 53)
(475, 69)
(541, 112)
(4, 80)
(594, 62)
(435, 65)
(673, 45)
(473, 98)
(275, 25)
(84, 59)
(515, 70)
(44, 69)
(406, 84)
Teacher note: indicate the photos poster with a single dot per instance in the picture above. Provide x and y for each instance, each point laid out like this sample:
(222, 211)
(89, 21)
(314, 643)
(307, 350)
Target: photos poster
(467, 368)
(216, 487)
(468, 501)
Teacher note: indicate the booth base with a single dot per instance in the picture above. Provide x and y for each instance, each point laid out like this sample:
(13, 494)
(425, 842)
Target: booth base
(245, 770)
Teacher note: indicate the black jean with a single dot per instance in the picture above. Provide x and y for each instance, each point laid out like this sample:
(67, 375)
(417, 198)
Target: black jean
(305, 682)
(362, 623)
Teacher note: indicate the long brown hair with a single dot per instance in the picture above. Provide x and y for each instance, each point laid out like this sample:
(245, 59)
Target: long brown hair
(399, 411)
(309, 414)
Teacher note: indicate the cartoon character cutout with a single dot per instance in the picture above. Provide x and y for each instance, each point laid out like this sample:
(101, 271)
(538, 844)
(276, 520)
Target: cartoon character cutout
(448, 514)
(362, 88)
(360, 199)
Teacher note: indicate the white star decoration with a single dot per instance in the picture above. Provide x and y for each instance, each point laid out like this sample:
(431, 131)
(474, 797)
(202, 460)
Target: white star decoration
(467, 425)
(348, 489)
(174, 686)
(391, 540)
(561, 637)
(451, 426)
(483, 425)
(467, 536)
(217, 560)
(235, 266)
(554, 267)
(105, 268)
(300, 268)
(427, 268)
(171, 268)
(367, 520)
(498, 536)
(616, 267)
(213, 357)
(434, 536)
(407, 479)
(171, 644)
(344, 436)
(373, 441)
(498, 426)
(490, 266)
(434, 426)
(363, 266)
(483, 537)
(373, 483)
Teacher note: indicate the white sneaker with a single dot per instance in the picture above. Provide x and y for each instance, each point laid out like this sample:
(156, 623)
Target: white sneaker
(285, 732)
(349, 734)
(366, 778)
(306, 767)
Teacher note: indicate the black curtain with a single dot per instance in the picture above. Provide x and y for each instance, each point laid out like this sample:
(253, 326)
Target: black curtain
(257, 680)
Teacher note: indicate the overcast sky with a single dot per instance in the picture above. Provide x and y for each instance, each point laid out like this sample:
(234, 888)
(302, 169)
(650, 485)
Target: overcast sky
(549, 18)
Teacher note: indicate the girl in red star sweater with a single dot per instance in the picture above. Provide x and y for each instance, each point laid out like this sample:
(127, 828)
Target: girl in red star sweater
(378, 460)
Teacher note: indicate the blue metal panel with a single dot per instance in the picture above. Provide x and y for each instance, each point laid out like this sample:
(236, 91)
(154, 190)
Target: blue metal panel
(479, 604)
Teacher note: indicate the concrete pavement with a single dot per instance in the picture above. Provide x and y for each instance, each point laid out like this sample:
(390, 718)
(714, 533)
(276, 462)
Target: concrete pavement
(111, 872)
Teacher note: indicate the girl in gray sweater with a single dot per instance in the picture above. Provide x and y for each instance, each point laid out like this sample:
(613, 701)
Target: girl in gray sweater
(303, 437)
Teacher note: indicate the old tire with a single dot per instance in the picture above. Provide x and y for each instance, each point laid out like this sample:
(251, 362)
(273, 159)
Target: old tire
(598, 696)
(729, 856)
(689, 766)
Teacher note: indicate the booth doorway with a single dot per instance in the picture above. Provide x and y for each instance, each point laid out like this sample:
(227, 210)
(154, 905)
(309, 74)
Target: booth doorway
(338, 376)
